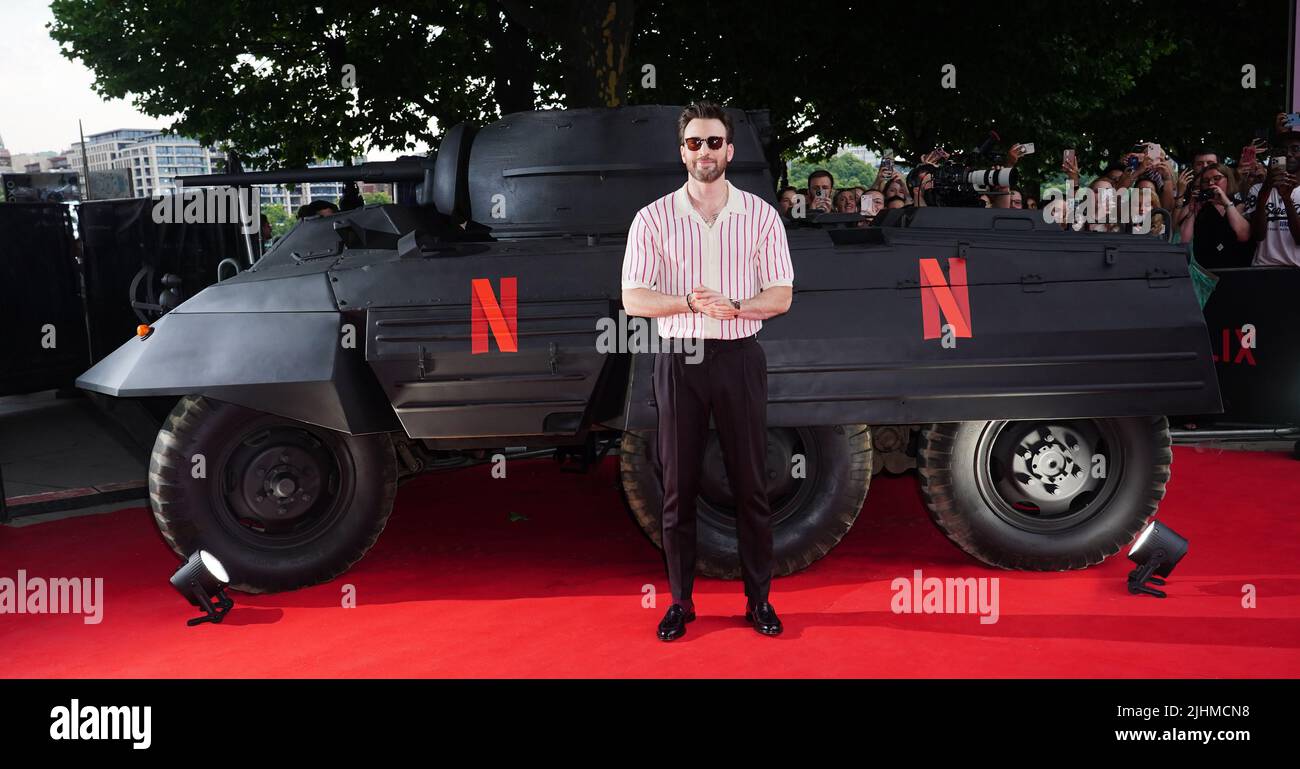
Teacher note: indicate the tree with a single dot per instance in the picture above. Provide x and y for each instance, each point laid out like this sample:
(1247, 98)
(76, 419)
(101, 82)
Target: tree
(372, 198)
(286, 84)
(847, 170)
(273, 81)
(281, 220)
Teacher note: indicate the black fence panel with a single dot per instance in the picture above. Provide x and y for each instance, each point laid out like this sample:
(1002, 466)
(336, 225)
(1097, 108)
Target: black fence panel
(123, 246)
(1252, 319)
(42, 329)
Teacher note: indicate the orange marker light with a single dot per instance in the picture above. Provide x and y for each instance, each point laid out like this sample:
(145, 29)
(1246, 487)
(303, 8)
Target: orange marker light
(143, 330)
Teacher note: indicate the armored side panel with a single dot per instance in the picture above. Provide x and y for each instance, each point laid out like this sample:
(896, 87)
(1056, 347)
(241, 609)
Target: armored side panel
(419, 336)
(1060, 325)
(272, 338)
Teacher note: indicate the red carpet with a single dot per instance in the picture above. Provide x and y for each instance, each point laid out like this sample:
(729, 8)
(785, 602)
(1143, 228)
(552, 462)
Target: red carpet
(454, 588)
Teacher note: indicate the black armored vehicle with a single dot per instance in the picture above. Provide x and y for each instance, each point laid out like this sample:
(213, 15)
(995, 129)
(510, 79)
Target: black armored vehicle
(466, 322)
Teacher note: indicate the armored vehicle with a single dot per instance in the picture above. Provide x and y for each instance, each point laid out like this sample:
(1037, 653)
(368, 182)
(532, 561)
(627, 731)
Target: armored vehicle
(466, 321)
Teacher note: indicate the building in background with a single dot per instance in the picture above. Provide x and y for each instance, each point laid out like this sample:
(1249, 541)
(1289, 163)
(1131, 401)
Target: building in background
(31, 162)
(154, 162)
(103, 149)
(152, 159)
(302, 194)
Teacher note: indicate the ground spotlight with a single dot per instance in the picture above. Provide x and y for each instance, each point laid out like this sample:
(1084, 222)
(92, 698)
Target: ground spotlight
(202, 580)
(1157, 550)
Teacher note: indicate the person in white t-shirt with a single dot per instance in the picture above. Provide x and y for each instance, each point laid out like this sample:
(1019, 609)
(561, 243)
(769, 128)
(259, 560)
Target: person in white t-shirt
(1275, 224)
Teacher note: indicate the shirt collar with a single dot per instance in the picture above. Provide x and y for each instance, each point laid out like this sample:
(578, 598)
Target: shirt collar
(682, 207)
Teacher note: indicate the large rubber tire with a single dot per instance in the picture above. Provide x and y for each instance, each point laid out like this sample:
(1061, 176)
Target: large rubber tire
(809, 515)
(978, 491)
(319, 537)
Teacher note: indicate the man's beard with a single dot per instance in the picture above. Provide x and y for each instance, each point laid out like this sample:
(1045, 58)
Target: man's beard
(709, 173)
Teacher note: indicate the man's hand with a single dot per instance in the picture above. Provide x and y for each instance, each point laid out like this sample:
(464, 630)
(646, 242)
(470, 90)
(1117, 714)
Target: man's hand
(712, 303)
(1279, 179)
(819, 204)
(1013, 155)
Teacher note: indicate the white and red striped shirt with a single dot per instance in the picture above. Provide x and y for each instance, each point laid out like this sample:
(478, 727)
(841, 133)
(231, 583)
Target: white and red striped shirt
(670, 249)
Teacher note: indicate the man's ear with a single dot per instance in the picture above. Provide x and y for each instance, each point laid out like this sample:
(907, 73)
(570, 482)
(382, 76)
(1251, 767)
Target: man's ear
(731, 152)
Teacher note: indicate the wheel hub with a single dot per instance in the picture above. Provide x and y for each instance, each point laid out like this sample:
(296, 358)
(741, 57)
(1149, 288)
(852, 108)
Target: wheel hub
(1040, 476)
(1048, 463)
(279, 481)
(716, 496)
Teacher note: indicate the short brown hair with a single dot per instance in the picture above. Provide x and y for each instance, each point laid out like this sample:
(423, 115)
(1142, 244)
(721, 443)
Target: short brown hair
(702, 110)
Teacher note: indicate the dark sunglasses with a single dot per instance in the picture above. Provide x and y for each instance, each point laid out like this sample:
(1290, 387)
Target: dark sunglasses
(694, 143)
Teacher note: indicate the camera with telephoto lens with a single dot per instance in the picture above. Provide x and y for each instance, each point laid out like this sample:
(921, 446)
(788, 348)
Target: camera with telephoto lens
(960, 182)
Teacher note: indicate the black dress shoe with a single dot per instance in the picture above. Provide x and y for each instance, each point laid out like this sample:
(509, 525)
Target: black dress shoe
(673, 625)
(763, 617)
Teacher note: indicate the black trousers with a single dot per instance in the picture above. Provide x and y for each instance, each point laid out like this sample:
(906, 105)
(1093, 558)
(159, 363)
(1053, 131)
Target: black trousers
(730, 382)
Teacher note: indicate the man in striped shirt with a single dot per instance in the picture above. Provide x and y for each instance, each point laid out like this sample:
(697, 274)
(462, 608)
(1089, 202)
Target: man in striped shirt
(711, 262)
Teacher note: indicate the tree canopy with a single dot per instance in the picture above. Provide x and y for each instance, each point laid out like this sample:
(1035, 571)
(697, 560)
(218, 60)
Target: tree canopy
(270, 79)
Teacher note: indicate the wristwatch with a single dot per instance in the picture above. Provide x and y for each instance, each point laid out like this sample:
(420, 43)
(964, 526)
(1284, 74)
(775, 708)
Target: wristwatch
(735, 303)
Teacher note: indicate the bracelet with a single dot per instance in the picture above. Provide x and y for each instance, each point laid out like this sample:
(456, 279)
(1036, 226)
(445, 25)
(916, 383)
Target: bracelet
(689, 304)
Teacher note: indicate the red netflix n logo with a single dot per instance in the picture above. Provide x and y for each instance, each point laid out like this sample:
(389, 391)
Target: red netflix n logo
(485, 313)
(938, 296)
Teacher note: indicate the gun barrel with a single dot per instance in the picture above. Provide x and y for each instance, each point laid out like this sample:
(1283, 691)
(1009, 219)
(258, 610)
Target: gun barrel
(377, 172)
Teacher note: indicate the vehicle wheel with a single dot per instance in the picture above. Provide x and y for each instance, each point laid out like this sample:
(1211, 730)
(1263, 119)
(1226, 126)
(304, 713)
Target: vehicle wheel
(810, 515)
(1044, 495)
(281, 503)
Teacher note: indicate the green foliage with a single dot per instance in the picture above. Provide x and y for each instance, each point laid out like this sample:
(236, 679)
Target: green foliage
(376, 197)
(847, 170)
(281, 220)
(266, 78)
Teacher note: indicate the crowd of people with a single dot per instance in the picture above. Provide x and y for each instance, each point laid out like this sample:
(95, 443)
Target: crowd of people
(1239, 214)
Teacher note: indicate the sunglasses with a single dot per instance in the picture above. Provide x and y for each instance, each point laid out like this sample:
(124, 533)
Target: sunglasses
(694, 143)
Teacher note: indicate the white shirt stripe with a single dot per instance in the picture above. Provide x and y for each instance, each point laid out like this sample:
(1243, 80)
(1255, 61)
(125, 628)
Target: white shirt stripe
(670, 249)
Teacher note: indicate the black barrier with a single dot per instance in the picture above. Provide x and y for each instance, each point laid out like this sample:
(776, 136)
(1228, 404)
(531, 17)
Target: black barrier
(123, 246)
(1252, 318)
(41, 323)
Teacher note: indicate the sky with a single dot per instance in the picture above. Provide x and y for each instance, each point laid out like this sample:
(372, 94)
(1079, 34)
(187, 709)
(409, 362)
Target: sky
(43, 94)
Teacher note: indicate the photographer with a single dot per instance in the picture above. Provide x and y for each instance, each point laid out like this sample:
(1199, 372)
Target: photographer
(873, 202)
(820, 185)
(1148, 160)
(1252, 172)
(892, 184)
(846, 201)
(1273, 208)
(1147, 190)
(1104, 216)
(1216, 228)
(786, 198)
(1002, 196)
